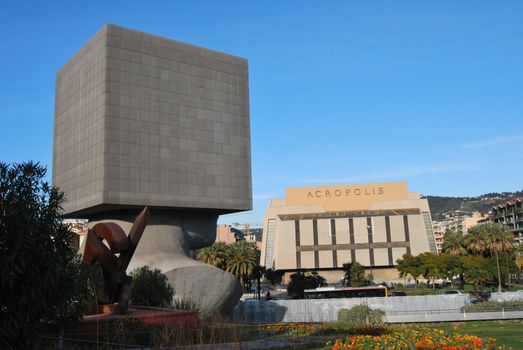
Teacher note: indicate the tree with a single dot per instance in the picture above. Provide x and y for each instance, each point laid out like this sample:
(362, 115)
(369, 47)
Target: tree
(476, 269)
(409, 265)
(42, 281)
(498, 240)
(519, 255)
(256, 275)
(355, 275)
(239, 258)
(451, 266)
(431, 267)
(242, 259)
(273, 276)
(300, 281)
(476, 240)
(316, 280)
(508, 268)
(453, 243)
(150, 288)
(216, 255)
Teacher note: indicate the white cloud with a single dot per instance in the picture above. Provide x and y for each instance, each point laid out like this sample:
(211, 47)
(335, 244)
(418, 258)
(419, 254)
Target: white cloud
(496, 141)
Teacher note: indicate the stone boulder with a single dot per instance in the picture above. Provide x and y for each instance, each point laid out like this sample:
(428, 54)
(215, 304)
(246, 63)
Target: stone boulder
(215, 291)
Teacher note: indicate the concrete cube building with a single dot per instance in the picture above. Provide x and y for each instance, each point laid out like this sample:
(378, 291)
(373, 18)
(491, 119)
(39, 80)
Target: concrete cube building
(143, 120)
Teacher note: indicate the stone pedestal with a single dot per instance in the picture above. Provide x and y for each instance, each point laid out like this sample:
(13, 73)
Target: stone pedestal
(91, 325)
(166, 242)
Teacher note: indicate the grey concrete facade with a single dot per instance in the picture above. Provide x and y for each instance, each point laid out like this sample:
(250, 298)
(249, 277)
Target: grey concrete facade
(143, 120)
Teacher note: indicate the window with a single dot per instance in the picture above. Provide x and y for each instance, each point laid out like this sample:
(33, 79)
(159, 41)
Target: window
(430, 234)
(271, 228)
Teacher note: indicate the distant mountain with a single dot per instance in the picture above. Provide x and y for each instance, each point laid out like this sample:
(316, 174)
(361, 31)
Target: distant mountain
(454, 206)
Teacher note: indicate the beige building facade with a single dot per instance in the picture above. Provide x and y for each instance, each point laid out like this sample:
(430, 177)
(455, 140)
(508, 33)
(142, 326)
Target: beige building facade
(227, 234)
(321, 228)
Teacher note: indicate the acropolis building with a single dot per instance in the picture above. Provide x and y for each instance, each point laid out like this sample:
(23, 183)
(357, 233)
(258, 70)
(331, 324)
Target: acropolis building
(321, 228)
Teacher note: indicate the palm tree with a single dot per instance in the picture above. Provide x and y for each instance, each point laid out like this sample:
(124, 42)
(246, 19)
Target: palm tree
(205, 255)
(476, 240)
(242, 260)
(215, 255)
(453, 243)
(519, 255)
(499, 240)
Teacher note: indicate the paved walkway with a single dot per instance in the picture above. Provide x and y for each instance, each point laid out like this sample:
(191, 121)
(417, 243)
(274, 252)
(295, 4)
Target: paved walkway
(452, 316)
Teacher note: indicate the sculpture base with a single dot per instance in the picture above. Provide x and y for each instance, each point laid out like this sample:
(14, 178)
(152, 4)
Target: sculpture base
(112, 309)
(151, 316)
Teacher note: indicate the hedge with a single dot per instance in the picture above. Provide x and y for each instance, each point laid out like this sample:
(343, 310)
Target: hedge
(494, 306)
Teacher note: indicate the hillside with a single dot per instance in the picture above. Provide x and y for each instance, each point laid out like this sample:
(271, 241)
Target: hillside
(441, 206)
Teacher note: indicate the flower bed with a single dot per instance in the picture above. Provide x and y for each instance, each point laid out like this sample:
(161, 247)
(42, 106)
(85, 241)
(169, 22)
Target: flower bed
(306, 329)
(291, 329)
(385, 337)
(414, 337)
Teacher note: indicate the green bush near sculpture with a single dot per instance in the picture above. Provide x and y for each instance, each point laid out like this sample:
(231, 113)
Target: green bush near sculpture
(150, 288)
(361, 315)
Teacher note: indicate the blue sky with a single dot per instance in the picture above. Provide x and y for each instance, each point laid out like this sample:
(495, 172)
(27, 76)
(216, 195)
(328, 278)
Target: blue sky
(340, 91)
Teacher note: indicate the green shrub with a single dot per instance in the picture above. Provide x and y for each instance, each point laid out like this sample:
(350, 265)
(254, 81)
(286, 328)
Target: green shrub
(150, 288)
(487, 306)
(361, 315)
(42, 281)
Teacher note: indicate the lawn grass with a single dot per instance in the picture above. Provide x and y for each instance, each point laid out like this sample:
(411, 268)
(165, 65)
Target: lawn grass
(508, 332)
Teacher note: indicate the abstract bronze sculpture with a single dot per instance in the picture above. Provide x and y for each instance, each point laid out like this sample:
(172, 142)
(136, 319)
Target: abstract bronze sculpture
(108, 265)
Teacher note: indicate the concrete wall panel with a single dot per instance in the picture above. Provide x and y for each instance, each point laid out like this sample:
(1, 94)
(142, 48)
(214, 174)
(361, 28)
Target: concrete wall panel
(343, 257)
(324, 232)
(307, 260)
(342, 231)
(306, 235)
(361, 234)
(397, 228)
(379, 233)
